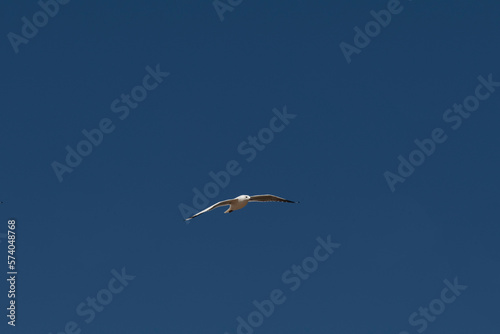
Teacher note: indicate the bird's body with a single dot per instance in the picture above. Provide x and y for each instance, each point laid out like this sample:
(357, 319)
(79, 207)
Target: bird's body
(241, 201)
(238, 203)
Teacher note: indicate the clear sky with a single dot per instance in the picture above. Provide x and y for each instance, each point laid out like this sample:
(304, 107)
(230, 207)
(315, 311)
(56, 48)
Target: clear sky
(292, 98)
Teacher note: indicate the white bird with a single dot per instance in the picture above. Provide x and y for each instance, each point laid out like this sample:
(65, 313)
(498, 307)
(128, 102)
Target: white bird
(241, 201)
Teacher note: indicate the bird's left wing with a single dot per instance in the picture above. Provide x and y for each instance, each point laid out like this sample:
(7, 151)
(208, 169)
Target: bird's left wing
(268, 198)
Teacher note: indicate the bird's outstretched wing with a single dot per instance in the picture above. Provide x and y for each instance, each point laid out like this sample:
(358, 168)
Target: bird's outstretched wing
(216, 205)
(268, 198)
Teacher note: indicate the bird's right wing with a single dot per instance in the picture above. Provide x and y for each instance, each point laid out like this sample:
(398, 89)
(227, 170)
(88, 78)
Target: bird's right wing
(216, 205)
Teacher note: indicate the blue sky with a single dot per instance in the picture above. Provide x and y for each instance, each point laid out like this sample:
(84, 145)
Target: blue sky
(111, 229)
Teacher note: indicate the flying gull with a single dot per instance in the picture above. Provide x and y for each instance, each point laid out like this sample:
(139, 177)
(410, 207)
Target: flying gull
(241, 201)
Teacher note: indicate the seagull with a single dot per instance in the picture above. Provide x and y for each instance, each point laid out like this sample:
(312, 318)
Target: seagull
(241, 201)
